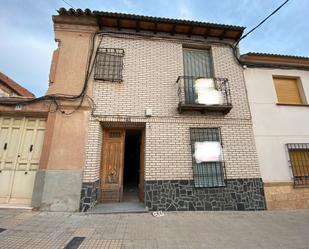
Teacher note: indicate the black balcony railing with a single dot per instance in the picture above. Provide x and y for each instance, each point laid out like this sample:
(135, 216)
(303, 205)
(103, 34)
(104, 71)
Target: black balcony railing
(203, 94)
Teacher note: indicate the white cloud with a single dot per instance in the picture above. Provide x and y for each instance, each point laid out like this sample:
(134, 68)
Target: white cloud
(185, 12)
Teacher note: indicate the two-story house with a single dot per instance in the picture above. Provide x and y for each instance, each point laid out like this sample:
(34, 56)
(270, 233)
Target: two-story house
(170, 123)
(278, 90)
(146, 109)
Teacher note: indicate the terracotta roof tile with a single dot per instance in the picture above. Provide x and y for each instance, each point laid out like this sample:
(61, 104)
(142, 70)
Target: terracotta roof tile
(18, 89)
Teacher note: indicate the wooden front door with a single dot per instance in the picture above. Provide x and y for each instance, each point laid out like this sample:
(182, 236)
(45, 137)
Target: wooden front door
(112, 165)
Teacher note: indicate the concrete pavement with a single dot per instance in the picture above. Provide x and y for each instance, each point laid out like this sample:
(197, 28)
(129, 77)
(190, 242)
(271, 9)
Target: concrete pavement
(263, 229)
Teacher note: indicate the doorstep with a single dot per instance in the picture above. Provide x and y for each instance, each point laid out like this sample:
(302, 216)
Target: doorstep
(15, 206)
(118, 208)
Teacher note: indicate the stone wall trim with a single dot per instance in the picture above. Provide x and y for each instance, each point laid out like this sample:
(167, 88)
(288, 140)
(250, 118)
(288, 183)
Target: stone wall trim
(181, 195)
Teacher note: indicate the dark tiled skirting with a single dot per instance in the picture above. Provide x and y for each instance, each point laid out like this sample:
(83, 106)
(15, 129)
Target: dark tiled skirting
(181, 195)
(89, 195)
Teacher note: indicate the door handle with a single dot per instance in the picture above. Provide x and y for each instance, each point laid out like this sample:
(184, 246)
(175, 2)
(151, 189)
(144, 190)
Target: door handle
(31, 147)
(26, 173)
(5, 146)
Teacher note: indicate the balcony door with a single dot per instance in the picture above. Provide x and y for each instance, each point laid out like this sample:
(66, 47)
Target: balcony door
(197, 63)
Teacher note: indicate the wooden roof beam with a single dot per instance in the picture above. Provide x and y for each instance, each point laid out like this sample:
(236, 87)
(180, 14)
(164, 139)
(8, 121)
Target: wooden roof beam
(137, 26)
(173, 29)
(206, 33)
(222, 34)
(155, 28)
(190, 31)
(118, 24)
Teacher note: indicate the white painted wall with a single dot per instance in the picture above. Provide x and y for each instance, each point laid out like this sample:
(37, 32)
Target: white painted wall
(275, 125)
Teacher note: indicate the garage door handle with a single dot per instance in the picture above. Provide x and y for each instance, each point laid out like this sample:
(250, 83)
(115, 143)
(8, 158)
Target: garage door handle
(31, 147)
(5, 146)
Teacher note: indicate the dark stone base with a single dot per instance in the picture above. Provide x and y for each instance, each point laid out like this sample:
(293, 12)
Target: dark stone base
(181, 195)
(89, 195)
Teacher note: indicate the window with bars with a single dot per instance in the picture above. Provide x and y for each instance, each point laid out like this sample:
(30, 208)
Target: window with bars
(299, 160)
(207, 160)
(109, 64)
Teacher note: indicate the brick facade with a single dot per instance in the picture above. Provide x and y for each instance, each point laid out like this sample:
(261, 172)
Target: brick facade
(151, 67)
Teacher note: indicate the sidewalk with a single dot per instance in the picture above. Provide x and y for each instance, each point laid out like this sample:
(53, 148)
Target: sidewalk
(266, 229)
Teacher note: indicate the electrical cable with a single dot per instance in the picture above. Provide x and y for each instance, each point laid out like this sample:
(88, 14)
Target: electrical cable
(253, 29)
(54, 97)
(68, 4)
(59, 97)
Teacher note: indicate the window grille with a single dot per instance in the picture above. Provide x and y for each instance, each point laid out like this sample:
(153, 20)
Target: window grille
(206, 174)
(109, 64)
(299, 161)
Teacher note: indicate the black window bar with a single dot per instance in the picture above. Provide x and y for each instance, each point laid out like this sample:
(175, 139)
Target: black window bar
(109, 64)
(299, 162)
(207, 174)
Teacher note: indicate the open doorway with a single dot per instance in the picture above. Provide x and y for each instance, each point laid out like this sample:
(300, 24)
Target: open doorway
(132, 162)
(122, 165)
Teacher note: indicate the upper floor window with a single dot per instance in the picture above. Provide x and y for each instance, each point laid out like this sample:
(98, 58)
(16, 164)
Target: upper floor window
(109, 64)
(198, 90)
(299, 160)
(289, 91)
(197, 63)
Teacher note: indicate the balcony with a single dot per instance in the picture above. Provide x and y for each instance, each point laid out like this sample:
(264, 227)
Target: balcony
(203, 94)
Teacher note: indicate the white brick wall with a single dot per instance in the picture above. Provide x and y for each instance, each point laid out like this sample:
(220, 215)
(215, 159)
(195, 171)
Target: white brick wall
(151, 68)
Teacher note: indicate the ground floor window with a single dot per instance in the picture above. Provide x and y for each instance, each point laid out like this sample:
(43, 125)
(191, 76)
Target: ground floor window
(299, 161)
(207, 157)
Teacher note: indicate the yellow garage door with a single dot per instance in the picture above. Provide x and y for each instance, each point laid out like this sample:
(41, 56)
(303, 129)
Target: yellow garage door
(21, 142)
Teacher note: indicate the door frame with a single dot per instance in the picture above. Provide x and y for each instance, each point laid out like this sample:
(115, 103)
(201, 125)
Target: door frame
(141, 171)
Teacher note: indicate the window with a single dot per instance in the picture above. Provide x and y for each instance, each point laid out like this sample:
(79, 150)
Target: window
(207, 160)
(299, 160)
(288, 90)
(109, 64)
(198, 64)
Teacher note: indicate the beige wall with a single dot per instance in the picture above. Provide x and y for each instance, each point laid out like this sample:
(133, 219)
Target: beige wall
(274, 125)
(283, 195)
(65, 141)
(66, 134)
(74, 43)
(151, 67)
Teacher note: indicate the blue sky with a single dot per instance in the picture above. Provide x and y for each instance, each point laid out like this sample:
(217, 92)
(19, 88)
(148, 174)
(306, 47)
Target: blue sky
(27, 35)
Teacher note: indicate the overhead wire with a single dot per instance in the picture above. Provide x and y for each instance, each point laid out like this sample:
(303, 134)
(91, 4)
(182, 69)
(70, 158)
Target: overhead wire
(54, 98)
(62, 97)
(68, 4)
(253, 29)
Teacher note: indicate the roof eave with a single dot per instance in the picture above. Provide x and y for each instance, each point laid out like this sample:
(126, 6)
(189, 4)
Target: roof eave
(275, 61)
(149, 23)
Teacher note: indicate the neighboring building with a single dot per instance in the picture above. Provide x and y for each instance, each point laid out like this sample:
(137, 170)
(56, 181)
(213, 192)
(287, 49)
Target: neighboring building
(22, 130)
(9, 88)
(148, 124)
(278, 90)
